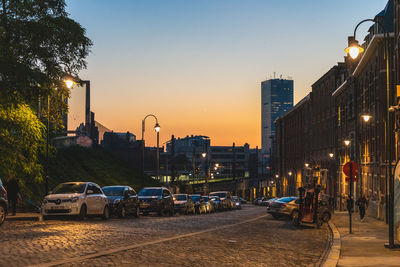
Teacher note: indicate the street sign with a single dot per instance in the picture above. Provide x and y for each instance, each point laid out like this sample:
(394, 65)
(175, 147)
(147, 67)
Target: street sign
(354, 169)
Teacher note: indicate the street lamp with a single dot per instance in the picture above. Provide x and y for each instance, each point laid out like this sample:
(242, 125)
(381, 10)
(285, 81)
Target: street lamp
(354, 50)
(366, 117)
(306, 165)
(331, 155)
(277, 176)
(290, 173)
(157, 129)
(69, 83)
(347, 142)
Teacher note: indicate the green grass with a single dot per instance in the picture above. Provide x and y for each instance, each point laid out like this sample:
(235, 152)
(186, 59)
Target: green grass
(87, 165)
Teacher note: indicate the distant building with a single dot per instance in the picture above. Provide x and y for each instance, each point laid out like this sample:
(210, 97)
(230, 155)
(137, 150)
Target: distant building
(276, 100)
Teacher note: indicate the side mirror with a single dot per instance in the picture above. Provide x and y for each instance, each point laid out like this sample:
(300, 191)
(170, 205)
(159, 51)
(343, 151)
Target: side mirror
(89, 192)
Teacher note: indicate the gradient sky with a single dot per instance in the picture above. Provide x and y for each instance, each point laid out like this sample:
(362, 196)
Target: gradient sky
(197, 65)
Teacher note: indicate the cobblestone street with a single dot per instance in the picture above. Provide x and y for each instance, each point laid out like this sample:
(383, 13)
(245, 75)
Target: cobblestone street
(253, 239)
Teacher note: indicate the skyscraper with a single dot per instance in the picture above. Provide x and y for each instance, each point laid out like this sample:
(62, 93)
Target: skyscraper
(276, 100)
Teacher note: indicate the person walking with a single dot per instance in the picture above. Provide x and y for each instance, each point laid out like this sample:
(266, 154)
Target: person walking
(362, 204)
(13, 193)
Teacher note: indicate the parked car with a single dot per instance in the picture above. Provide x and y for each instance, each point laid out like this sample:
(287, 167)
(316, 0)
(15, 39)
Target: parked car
(3, 203)
(281, 208)
(269, 201)
(183, 203)
(199, 204)
(225, 198)
(156, 199)
(76, 198)
(208, 202)
(122, 200)
(242, 200)
(238, 204)
(216, 202)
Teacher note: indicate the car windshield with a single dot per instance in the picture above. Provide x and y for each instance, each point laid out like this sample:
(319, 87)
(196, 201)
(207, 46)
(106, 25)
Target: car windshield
(145, 192)
(70, 188)
(286, 199)
(222, 194)
(196, 198)
(205, 198)
(180, 197)
(113, 191)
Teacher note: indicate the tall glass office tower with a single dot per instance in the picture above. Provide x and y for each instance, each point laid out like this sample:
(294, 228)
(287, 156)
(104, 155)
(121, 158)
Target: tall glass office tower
(276, 100)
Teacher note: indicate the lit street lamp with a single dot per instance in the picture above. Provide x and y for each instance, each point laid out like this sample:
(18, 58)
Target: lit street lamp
(331, 155)
(157, 129)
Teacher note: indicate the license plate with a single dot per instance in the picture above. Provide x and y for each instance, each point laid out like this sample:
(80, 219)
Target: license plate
(57, 208)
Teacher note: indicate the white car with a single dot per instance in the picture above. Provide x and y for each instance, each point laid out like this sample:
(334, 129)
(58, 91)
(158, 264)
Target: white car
(76, 198)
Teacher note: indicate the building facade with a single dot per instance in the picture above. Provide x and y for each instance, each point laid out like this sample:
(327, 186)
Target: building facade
(276, 100)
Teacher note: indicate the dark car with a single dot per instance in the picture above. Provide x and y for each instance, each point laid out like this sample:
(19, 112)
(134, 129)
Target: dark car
(269, 201)
(242, 200)
(225, 198)
(3, 203)
(156, 199)
(183, 203)
(238, 204)
(216, 202)
(122, 200)
(199, 204)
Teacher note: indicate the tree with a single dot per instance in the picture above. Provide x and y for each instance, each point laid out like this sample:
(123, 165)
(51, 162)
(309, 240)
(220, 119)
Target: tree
(39, 47)
(21, 140)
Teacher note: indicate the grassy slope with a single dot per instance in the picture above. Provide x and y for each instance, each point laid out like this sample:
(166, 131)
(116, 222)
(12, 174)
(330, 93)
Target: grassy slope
(94, 165)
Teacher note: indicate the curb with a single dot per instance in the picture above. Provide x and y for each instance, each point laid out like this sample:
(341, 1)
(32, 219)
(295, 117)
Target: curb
(334, 250)
(25, 218)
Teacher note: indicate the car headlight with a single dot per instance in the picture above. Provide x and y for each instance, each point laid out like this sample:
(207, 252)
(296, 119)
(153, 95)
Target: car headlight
(74, 199)
(116, 201)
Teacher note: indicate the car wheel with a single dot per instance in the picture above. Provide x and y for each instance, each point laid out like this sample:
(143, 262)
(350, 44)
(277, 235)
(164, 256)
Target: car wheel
(2, 214)
(106, 213)
(137, 213)
(122, 212)
(83, 213)
(295, 218)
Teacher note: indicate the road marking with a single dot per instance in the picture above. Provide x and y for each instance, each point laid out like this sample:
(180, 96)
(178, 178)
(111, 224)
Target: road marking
(116, 250)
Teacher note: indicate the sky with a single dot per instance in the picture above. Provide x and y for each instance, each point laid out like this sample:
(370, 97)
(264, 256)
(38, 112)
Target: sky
(198, 64)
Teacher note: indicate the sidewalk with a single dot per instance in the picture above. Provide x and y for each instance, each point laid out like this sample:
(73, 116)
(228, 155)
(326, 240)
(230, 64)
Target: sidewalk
(24, 216)
(365, 246)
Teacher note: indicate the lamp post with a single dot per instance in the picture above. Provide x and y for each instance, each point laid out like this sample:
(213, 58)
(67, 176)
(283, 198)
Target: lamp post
(350, 199)
(354, 50)
(157, 129)
(70, 82)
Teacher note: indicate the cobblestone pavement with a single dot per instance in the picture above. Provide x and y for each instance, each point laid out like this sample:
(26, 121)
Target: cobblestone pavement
(261, 242)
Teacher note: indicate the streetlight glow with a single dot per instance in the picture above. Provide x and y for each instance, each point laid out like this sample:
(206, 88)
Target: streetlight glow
(331, 155)
(290, 173)
(306, 164)
(157, 127)
(347, 142)
(366, 117)
(204, 154)
(276, 176)
(354, 49)
(69, 83)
